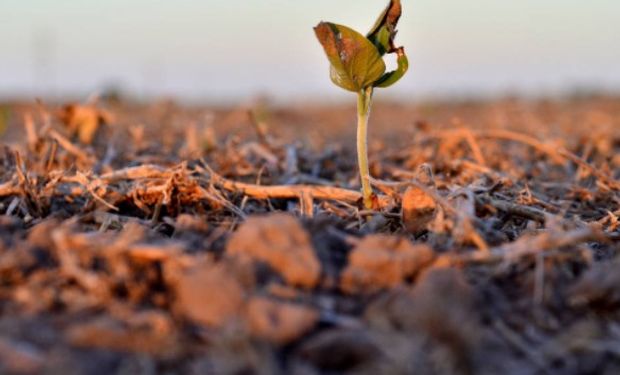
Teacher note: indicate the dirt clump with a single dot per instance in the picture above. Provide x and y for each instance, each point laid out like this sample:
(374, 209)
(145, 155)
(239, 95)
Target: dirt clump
(340, 350)
(280, 241)
(419, 207)
(279, 322)
(382, 261)
(209, 294)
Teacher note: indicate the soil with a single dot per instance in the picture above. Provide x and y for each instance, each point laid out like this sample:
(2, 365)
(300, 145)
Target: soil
(154, 238)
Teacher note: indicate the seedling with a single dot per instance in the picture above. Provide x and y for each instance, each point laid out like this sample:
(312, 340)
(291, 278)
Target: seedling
(357, 65)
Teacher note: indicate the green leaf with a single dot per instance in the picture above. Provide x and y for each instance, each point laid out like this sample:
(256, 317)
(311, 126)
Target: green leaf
(383, 32)
(394, 76)
(355, 61)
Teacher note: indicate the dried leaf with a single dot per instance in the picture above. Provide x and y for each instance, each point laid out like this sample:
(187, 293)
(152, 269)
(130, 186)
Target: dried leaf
(384, 30)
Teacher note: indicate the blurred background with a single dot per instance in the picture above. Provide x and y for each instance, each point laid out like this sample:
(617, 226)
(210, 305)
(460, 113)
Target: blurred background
(223, 51)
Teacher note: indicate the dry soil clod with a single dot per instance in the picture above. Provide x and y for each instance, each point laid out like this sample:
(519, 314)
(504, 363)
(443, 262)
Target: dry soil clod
(418, 207)
(279, 322)
(280, 241)
(381, 262)
(208, 294)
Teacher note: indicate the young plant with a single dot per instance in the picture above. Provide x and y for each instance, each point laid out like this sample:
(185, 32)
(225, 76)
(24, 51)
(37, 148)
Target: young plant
(357, 65)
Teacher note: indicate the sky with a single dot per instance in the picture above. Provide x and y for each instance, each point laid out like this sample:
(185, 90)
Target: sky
(223, 50)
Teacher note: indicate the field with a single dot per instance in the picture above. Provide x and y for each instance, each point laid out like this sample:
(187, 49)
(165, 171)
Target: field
(155, 238)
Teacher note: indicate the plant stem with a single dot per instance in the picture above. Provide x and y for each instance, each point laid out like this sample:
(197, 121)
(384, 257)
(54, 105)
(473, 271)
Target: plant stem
(364, 98)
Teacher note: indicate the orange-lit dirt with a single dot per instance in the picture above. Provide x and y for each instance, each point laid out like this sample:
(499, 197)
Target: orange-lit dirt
(162, 239)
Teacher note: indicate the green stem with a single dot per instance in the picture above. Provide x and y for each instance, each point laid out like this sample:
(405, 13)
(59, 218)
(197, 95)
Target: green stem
(363, 111)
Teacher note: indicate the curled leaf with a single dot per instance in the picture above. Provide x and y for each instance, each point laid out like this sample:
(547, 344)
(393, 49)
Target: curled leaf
(384, 30)
(355, 61)
(394, 76)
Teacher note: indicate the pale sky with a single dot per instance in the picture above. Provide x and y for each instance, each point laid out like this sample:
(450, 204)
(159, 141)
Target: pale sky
(234, 50)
